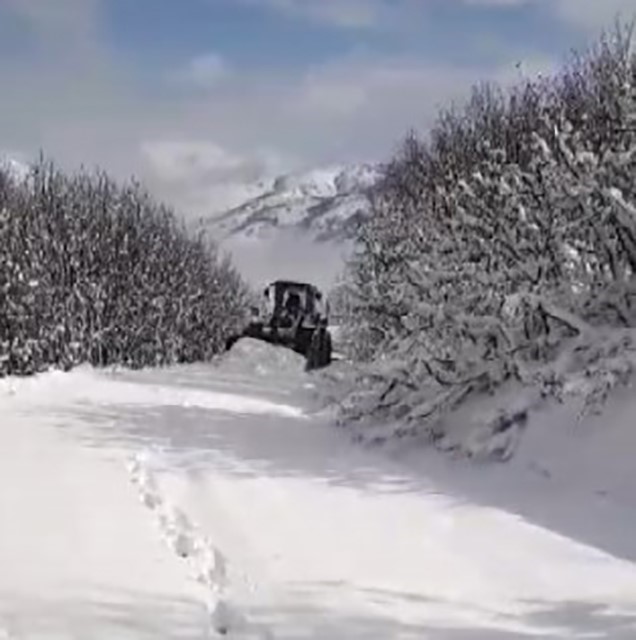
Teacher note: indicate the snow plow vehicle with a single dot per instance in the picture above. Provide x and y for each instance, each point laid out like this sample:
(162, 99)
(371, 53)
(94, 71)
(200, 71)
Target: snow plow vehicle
(295, 316)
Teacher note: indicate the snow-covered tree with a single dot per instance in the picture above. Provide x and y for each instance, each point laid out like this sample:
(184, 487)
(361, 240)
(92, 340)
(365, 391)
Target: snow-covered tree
(91, 271)
(506, 238)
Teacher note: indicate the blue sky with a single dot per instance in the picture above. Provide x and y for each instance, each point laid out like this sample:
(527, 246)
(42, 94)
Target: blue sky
(153, 32)
(194, 94)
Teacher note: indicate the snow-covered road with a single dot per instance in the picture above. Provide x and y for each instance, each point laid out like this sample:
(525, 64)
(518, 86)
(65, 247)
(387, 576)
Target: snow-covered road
(79, 558)
(199, 500)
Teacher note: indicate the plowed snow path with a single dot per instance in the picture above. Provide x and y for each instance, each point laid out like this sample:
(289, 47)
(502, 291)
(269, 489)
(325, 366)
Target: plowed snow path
(79, 557)
(252, 506)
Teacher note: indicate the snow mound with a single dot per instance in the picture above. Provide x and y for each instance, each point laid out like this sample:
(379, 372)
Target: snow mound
(263, 359)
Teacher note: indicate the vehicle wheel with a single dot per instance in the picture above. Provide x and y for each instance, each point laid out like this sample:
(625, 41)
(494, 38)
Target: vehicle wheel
(303, 341)
(231, 341)
(254, 330)
(319, 352)
(327, 349)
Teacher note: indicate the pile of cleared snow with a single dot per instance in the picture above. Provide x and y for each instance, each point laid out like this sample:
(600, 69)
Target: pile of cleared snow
(257, 357)
(578, 393)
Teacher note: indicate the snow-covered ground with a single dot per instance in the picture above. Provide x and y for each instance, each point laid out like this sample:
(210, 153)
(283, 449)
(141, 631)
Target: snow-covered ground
(215, 500)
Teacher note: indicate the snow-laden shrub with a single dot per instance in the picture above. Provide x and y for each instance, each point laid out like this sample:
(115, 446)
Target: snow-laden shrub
(501, 242)
(91, 271)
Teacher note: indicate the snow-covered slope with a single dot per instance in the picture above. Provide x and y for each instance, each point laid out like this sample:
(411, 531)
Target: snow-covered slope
(325, 204)
(17, 169)
(212, 500)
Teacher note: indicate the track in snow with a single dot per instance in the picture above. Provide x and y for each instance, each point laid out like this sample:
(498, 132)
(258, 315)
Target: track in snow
(259, 510)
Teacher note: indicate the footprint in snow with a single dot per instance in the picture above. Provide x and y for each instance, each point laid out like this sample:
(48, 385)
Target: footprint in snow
(150, 499)
(179, 531)
(226, 619)
(212, 566)
(180, 542)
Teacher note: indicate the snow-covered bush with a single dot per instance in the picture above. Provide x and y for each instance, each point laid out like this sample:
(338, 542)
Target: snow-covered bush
(501, 242)
(91, 271)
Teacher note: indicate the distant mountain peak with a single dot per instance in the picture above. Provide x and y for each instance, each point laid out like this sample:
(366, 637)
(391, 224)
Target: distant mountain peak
(16, 169)
(325, 204)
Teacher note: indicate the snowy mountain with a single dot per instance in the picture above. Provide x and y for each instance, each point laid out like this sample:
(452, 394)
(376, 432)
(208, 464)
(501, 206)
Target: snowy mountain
(16, 169)
(325, 204)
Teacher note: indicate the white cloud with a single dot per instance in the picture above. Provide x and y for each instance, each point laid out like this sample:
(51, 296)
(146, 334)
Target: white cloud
(85, 107)
(593, 15)
(204, 71)
(589, 15)
(60, 24)
(204, 177)
(496, 3)
(353, 109)
(184, 146)
(179, 161)
(325, 96)
(382, 94)
(383, 14)
(343, 13)
(286, 253)
(364, 14)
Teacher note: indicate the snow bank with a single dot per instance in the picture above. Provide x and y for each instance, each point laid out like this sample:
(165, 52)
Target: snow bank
(244, 514)
(380, 401)
(263, 359)
(558, 440)
(78, 555)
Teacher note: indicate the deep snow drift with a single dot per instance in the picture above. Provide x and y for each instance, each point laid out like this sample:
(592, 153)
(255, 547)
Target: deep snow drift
(216, 500)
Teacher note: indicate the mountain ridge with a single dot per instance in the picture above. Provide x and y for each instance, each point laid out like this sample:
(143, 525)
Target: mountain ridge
(326, 204)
